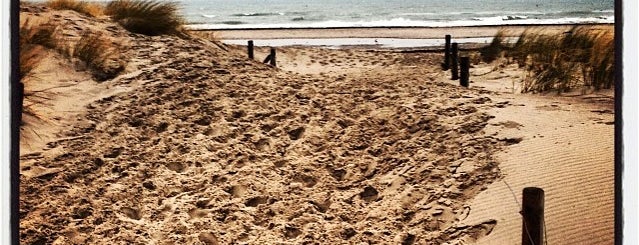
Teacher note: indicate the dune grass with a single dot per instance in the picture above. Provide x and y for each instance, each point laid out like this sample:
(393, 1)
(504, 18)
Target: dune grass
(491, 52)
(93, 49)
(146, 17)
(583, 56)
(86, 8)
(33, 39)
(99, 55)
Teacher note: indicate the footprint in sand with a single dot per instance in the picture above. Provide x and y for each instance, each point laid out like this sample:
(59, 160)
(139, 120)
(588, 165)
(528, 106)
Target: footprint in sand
(237, 190)
(132, 213)
(297, 133)
(175, 166)
(254, 201)
(307, 181)
(291, 232)
(208, 238)
(369, 194)
(508, 124)
(197, 213)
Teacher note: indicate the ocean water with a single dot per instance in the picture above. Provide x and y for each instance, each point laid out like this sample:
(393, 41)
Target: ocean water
(247, 14)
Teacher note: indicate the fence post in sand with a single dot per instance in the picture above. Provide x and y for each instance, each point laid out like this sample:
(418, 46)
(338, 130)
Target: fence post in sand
(464, 74)
(446, 64)
(250, 49)
(455, 62)
(273, 61)
(532, 210)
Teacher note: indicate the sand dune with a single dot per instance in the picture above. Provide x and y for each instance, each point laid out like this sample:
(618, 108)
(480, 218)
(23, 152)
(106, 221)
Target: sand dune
(196, 144)
(566, 149)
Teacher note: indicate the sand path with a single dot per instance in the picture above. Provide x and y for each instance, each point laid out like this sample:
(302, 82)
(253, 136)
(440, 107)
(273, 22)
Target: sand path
(565, 146)
(198, 144)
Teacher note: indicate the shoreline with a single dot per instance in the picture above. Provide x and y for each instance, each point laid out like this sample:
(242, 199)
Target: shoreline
(385, 32)
(374, 43)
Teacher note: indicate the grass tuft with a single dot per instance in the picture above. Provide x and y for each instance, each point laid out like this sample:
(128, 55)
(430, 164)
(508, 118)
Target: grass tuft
(491, 52)
(97, 53)
(30, 58)
(85, 8)
(583, 56)
(146, 17)
(33, 38)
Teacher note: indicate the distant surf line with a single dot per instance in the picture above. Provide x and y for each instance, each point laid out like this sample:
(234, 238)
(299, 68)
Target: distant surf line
(401, 22)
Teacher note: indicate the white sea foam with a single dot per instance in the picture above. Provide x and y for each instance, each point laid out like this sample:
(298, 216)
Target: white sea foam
(404, 22)
(604, 11)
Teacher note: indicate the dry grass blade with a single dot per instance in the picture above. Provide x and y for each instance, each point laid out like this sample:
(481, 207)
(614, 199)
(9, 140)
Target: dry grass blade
(86, 8)
(146, 17)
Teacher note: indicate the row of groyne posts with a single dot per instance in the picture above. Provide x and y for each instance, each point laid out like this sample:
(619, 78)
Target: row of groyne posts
(270, 59)
(458, 66)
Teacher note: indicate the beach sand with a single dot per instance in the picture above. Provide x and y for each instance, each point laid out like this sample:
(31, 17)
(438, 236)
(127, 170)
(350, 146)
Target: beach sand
(196, 144)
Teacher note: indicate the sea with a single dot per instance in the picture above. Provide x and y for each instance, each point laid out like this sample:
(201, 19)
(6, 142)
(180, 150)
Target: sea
(256, 14)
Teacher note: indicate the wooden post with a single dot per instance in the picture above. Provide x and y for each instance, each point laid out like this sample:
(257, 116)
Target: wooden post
(455, 62)
(532, 211)
(273, 60)
(464, 65)
(446, 64)
(250, 49)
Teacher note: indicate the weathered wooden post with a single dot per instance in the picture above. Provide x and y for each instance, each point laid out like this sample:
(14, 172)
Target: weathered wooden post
(464, 74)
(273, 60)
(446, 64)
(250, 49)
(455, 62)
(532, 211)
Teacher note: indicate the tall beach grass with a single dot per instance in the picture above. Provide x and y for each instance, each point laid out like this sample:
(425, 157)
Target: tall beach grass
(583, 56)
(146, 17)
(86, 8)
(491, 52)
(33, 38)
(39, 41)
(99, 55)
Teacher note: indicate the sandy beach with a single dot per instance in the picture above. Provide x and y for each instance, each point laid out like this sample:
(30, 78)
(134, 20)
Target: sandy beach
(196, 144)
